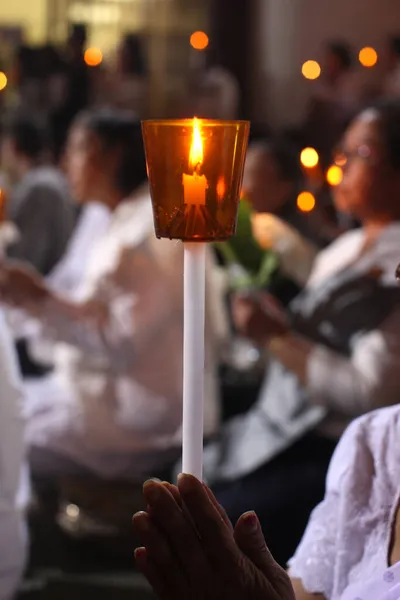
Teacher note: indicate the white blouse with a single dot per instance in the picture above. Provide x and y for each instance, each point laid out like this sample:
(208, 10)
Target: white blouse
(347, 540)
(114, 401)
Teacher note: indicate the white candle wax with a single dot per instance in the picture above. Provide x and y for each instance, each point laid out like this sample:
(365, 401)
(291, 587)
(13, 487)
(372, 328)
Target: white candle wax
(193, 358)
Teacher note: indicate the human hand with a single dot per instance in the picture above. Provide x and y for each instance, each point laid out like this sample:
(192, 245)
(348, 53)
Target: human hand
(191, 550)
(259, 317)
(21, 285)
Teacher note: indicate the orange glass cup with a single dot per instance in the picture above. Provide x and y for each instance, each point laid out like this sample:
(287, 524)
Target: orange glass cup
(195, 170)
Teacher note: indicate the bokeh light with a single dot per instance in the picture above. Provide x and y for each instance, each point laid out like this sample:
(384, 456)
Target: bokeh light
(309, 158)
(93, 57)
(3, 80)
(306, 201)
(368, 57)
(311, 69)
(334, 175)
(199, 40)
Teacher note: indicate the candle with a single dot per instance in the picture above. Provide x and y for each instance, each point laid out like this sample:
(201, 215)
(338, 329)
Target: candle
(195, 186)
(194, 190)
(184, 201)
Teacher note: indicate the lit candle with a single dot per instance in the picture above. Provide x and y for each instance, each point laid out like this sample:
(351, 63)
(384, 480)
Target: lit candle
(195, 186)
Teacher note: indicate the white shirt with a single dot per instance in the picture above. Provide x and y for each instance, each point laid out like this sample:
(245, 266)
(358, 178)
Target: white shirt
(114, 402)
(347, 540)
(340, 385)
(14, 486)
(92, 224)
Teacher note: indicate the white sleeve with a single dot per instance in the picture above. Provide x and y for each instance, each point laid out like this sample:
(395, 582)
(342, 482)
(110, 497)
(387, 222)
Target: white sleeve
(366, 380)
(13, 498)
(315, 558)
(126, 311)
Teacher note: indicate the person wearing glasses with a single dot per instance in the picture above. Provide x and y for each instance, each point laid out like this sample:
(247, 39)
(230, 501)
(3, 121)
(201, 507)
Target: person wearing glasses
(351, 547)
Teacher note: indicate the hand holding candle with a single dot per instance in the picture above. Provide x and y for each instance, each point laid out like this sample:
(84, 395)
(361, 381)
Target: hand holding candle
(195, 172)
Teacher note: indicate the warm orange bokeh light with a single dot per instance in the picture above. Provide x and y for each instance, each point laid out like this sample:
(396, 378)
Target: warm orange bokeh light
(309, 158)
(334, 175)
(196, 149)
(311, 69)
(3, 80)
(306, 201)
(199, 40)
(93, 57)
(368, 57)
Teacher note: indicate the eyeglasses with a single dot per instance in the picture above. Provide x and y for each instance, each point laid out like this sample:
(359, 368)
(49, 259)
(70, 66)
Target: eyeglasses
(343, 157)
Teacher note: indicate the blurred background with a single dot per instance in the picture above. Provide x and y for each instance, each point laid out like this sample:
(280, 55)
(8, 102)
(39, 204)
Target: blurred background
(300, 70)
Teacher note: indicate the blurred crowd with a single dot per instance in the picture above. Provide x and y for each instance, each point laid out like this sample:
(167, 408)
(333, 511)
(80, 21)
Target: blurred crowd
(302, 323)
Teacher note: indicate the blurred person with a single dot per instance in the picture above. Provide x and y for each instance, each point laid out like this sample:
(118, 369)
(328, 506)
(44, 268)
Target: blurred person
(76, 85)
(335, 352)
(337, 96)
(14, 484)
(391, 82)
(125, 86)
(271, 183)
(214, 90)
(39, 203)
(27, 90)
(113, 404)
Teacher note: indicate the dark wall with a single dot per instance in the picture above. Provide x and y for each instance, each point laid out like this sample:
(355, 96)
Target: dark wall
(230, 41)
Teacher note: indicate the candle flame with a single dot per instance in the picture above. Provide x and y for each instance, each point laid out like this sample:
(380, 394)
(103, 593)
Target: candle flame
(196, 150)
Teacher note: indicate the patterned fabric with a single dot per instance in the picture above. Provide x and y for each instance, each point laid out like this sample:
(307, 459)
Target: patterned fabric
(347, 540)
(384, 587)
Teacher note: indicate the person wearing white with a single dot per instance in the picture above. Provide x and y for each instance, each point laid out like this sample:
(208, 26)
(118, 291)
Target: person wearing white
(335, 354)
(14, 485)
(113, 403)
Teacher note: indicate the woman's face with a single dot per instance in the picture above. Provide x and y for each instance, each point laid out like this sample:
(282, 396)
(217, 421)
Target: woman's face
(367, 185)
(85, 164)
(263, 185)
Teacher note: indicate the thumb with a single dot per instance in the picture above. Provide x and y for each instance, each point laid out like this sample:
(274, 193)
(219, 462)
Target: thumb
(250, 539)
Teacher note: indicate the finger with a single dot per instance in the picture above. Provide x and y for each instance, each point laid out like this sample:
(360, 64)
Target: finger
(166, 570)
(178, 529)
(150, 571)
(220, 508)
(216, 539)
(250, 539)
(173, 490)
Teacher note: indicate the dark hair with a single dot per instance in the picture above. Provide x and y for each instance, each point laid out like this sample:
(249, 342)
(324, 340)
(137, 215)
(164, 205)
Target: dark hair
(342, 52)
(389, 124)
(29, 138)
(134, 62)
(78, 33)
(394, 43)
(118, 131)
(285, 156)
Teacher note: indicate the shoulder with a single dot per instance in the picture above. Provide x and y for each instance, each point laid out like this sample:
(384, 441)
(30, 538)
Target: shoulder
(370, 445)
(45, 184)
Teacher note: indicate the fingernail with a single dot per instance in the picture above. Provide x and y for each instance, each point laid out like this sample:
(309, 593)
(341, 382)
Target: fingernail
(187, 483)
(140, 555)
(151, 491)
(140, 521)
(251, 522)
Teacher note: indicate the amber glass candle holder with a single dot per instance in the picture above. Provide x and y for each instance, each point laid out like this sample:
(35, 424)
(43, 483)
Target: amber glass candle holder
(195, 169)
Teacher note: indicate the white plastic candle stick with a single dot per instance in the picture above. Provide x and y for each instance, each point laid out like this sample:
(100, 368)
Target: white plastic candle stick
(193, 358)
